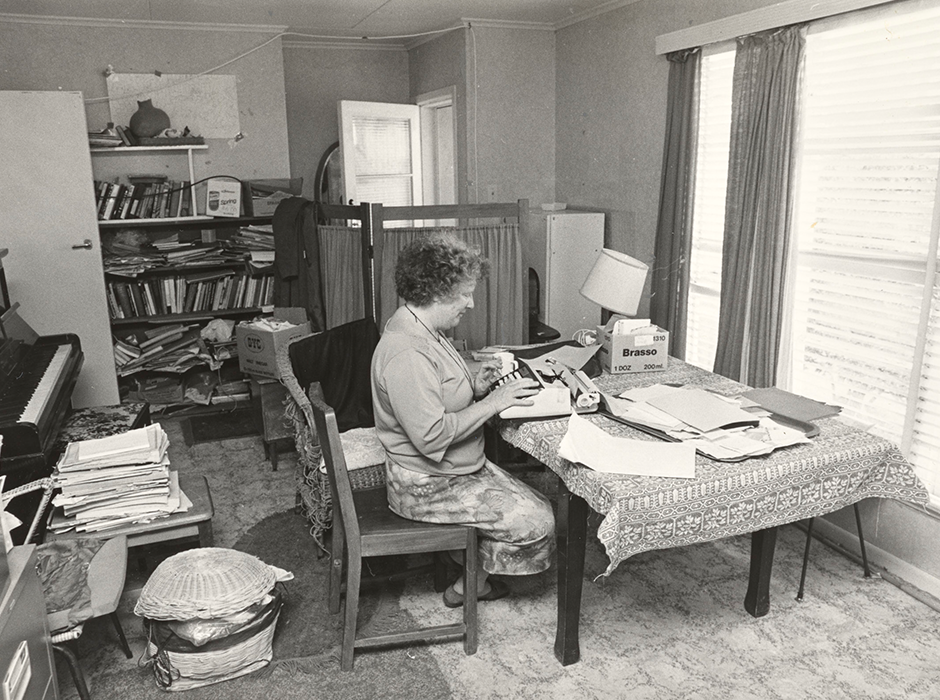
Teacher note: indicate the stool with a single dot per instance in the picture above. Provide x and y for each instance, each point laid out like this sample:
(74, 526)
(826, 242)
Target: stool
(194, 523)
(277, 432)
(101, 421)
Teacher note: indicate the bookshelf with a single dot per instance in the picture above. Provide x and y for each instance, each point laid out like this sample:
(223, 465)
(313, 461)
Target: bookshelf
(114, 219)
(172, 282)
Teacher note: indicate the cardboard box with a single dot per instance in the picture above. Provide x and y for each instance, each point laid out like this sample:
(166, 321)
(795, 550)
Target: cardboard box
(643, 350)
(257, 347)
(223, 197)
(263, 196)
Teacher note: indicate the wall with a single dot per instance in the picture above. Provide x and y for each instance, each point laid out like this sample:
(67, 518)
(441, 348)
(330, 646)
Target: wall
(75, 57)
(316, 77)
(505, 106)
(610, 123)
(437, 64)
(610, 113)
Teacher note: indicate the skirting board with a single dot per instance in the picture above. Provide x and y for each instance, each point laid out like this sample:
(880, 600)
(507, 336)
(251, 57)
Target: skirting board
(902, 574)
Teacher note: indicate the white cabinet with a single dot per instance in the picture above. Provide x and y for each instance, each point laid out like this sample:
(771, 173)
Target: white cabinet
(561, 248)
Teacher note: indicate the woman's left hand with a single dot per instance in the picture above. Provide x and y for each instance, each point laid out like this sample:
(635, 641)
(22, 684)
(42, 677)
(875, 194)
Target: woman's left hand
(489, 373)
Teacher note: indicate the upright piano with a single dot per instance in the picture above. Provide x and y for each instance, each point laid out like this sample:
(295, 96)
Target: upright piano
(37, 377)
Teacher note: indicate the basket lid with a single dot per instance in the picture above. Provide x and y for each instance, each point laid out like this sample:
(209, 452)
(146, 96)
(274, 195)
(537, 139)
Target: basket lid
(204, 583)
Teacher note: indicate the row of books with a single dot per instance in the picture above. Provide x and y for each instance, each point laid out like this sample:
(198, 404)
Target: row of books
(215, 291)
(143, 200)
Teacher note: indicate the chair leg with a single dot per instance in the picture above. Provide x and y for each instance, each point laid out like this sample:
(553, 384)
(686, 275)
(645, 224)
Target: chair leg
(809, 540)
(470, 569)
(77, 676)
(120, 633)
(337, 555)
(353, 578)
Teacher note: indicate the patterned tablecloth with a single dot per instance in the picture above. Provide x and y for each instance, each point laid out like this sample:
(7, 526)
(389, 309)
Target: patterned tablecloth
(841, 466)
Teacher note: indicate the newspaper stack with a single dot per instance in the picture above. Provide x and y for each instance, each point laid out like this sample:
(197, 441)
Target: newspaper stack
(114, 481)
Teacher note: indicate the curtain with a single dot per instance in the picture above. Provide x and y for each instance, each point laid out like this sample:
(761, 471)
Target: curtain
(670, 273)
(341, 258)
(767, 75)
(497, 317)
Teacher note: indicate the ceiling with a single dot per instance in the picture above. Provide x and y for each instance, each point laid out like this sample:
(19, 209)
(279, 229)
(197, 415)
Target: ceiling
(325, 18)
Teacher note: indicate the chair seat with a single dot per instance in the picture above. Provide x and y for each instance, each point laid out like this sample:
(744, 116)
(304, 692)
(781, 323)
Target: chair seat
(383, 532)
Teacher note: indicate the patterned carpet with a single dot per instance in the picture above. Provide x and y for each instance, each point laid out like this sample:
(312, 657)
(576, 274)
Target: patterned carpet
(666, 625)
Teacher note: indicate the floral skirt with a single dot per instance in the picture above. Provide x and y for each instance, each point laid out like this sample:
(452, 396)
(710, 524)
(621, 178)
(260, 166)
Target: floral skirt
(515, 523)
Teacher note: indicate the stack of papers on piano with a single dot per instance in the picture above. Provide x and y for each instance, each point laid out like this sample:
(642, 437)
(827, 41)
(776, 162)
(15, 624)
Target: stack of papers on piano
(113, 481)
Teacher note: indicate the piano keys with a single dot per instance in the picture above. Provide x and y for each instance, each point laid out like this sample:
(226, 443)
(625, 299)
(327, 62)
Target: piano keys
(37, 378)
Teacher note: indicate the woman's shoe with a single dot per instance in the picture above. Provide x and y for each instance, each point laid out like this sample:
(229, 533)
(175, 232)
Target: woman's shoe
(496, 590)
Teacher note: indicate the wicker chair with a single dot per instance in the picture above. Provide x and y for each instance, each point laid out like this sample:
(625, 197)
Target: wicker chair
(364, 454)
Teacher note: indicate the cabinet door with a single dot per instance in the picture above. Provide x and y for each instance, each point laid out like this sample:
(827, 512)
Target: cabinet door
(48, 215)
(574, 240)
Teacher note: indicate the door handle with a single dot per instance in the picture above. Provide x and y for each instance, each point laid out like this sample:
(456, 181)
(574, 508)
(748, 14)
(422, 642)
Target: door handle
(86, 244)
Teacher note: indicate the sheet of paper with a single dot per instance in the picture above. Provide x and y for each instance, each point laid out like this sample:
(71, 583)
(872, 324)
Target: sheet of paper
(702, 409)
(791, 405)
(591, 446)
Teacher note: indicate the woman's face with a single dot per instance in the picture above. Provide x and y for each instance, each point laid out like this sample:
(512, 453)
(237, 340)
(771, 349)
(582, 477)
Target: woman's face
(451, 309)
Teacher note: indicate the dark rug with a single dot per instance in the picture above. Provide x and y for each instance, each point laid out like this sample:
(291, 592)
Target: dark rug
(307, 638)
(226, 425)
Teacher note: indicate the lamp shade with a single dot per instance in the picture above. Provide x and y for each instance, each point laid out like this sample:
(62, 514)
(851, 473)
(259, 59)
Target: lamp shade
(616, 282)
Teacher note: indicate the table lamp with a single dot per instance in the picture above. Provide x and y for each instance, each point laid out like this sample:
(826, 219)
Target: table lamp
(616, 282)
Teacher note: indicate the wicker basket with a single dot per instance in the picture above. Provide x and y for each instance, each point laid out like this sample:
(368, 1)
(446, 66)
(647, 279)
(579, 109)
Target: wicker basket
(204, 583)
(179, 665)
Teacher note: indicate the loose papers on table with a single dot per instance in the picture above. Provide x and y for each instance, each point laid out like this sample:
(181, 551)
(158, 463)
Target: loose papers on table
(715, 425)
(593, 447)
(107, 482)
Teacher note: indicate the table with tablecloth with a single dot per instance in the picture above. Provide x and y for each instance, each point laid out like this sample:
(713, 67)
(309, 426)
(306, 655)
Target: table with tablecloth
(840, 466)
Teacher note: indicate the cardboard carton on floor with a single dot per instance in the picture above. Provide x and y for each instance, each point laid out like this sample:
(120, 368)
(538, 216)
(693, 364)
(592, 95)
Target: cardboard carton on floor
(640, 348)
(258, 342)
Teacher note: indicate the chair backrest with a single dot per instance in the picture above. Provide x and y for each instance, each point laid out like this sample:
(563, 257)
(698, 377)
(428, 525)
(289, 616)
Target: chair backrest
(324, 419)
(340, 360)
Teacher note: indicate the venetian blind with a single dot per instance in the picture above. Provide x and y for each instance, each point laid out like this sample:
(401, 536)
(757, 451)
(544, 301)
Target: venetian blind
(708, 212)
(865, 330)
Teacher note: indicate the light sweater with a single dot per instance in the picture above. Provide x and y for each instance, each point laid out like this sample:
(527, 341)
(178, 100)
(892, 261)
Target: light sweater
(418, 386)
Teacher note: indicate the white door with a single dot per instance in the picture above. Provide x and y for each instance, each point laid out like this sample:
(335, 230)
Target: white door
(380, 146)
(49, 224)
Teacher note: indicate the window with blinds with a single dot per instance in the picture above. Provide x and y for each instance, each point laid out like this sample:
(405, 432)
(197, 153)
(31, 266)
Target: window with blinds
(864, 295)
(708, 210)
(865, 331)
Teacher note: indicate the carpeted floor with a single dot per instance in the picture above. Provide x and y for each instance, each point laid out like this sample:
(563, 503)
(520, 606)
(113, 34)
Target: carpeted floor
(666, 625)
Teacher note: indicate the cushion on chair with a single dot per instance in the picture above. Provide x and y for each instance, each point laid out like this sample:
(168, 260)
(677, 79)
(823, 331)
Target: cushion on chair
(362, 449)
(340, 359)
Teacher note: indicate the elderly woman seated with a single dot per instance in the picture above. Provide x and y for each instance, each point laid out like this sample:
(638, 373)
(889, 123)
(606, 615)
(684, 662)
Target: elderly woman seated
(429, 416)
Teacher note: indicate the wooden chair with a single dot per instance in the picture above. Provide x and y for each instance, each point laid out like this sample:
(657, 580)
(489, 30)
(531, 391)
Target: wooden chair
(364, 526)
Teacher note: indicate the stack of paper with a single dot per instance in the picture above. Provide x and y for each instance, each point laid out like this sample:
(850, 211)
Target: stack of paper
(716, 425)
(113, 481)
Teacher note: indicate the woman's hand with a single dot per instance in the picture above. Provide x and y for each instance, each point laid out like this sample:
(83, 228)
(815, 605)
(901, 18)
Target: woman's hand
(489, 373)
(513, 393)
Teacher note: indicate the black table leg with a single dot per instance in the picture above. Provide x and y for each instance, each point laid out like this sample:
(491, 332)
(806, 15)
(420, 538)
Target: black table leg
(757, 600)
(572, 531)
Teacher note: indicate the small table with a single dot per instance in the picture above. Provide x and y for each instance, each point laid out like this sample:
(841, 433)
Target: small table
(194, 523)
(277, 433)
(840, 467)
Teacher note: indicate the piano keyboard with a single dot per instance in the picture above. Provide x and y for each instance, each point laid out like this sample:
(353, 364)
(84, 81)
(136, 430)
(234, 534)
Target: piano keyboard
(50, 376)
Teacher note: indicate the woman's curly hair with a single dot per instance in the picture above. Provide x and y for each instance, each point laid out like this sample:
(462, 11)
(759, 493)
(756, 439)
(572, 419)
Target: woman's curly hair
(431, 268)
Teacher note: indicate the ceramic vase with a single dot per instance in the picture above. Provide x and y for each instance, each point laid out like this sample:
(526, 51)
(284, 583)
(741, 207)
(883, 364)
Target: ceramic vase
(148, 120)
